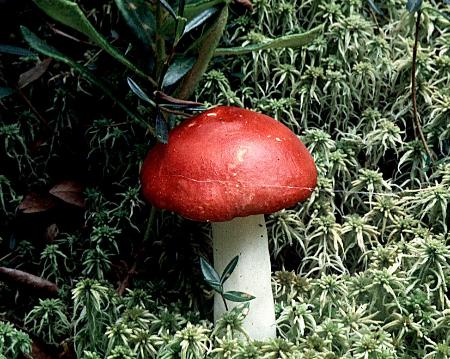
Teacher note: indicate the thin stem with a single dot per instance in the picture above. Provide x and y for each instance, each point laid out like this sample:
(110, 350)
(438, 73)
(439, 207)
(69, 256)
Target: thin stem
(171, 54)
(417, 125)
(34, 110)
(149, 229)
(160, 44)
(224, 302)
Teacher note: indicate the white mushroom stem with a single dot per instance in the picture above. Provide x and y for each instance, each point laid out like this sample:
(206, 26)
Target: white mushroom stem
(246, 237)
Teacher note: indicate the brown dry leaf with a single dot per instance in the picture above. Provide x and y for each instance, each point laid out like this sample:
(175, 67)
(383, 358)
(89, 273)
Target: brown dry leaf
(40, 351)
(245, 3)
(34, 73)
(35, 203)
(70, 192)
(51, 232)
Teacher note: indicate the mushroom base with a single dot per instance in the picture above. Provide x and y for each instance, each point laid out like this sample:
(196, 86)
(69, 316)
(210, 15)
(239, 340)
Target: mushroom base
(246, 237)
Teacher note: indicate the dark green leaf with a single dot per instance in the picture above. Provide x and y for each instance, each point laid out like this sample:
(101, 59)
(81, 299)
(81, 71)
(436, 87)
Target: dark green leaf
(181, 21)
(69, 13)
(375, 7)
(436, 11)
(181, 5)
(199, 19)
(191, 10)
(5, 91)
(234, 296)
(167, 6)
(208, 44)
(288, 41)
(177, 70)
(41, 46)
(139, 18)
(229, 269)
(138, 91)
(162, 133)
(210, 275)
(194, 8)
(413, 5)
(14, 50)
(175, 106)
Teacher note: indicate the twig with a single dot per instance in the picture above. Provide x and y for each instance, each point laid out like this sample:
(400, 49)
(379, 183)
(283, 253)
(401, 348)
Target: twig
(224, 302)
(124, 283)
(34, 110)
(418, 127)
(149, 229)
(27, 280)
(131, 271)
(62, 33)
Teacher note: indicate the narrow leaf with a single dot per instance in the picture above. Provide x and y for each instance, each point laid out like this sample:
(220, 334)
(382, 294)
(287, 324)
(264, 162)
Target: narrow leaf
(413, 5)
(437, 12)
(375, 7)
(181, 20)
(193, 9)
(167, 6)
(41, 46)
(69, 13)
(234, 296)
(199, 19)
(14, 50)
(139, 18)
(288, 41)
(5, 91)
(34, 73)
(229, 270)
(139, 92)
(162, 133)
(181, 5)
(176, 107)
(206, 51)
(210, 275)
(179, 68)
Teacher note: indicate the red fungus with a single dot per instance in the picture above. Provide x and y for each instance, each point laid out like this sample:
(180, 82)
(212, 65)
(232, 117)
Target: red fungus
(225, 163)
(228, 162)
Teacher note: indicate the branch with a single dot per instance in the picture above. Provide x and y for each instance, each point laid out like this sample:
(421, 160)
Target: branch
(16, 277)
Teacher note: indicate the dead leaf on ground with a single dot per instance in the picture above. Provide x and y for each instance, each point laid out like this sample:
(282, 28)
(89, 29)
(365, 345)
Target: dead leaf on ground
(51, 232)
(34, 73)
(70, 192)
(40, 351)
(245, 3)
(35, 203)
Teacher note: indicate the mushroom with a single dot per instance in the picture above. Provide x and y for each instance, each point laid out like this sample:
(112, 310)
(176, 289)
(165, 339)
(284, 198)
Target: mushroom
(230, 166)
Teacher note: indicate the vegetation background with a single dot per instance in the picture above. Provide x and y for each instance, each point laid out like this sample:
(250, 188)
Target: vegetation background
(88, 270)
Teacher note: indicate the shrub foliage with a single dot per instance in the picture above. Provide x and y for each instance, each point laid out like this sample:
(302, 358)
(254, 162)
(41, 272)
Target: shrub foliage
(361, 270)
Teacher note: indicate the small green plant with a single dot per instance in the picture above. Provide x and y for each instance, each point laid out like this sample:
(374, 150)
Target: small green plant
(216, 281)
(13, 342)
(49, 320)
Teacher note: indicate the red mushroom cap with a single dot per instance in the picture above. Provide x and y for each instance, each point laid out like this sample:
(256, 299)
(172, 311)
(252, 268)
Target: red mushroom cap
(228, 162)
